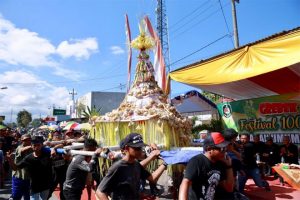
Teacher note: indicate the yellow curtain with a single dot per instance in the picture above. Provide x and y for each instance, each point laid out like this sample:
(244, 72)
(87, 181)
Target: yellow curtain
(252, 60)
(111, 133)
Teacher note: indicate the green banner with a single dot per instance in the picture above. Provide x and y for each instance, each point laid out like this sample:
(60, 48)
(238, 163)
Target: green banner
(59, 112)
(274, 116)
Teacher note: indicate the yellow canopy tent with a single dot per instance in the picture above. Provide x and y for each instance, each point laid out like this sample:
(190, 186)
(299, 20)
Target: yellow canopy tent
(266, 67)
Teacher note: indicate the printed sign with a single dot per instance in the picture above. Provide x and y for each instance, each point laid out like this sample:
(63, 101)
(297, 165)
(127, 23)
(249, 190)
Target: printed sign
(59, 112)
(274, 116)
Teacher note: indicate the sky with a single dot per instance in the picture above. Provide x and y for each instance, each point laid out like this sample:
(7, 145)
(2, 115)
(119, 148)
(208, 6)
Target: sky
(49, 47)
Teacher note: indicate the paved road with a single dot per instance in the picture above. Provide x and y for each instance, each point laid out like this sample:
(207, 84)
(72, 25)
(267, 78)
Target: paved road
(6, 191)
(161, 186)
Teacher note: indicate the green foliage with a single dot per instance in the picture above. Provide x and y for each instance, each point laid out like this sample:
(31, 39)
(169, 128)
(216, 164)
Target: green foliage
(194, 119)
(36, 123)
(91, 112)
(80, 109)
(215, 126)
(24, 118)
(213, 97)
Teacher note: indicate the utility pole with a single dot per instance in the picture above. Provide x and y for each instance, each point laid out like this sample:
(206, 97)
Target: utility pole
(235, 29)
(73, 93)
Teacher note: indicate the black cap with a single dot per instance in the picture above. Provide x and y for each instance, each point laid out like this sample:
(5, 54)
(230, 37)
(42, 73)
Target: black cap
(230, 133)
(215, 139)
(37, 139)
(132, 140)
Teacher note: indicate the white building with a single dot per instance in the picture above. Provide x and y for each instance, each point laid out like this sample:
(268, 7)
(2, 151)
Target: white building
(107, 101)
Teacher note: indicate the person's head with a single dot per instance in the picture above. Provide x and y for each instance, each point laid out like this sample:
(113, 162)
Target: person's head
(69, 134)
(37, 143)
(230, 134)
(286, 140)
(256, 139)
(26, 139)
(57, 136)
(77, 134)
(269, 140)
(133, 145)
(245, 138)
(215, 146)
(90, 144)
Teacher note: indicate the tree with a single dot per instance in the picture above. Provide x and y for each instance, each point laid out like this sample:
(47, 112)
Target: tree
(12, 125)
(36, 122)
(24, 118)
(91, 112)
(213, 97)
(214, 126)
(80, 109)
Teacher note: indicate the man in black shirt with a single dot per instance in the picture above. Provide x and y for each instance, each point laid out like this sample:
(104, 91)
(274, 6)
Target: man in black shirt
(259, 146)
(271, 154)
(78, 170)
(204, 172)
(249, 165)
(122, 181)
(289, 151)
(39, 166)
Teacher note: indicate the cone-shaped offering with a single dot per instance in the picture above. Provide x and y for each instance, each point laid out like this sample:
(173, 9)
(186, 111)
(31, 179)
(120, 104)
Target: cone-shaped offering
(145, 109)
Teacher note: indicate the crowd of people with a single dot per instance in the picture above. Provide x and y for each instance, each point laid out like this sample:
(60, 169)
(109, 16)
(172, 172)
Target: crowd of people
(220, 172)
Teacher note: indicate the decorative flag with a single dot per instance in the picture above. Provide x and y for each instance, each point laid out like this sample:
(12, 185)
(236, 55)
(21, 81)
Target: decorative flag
(128, 41)
(159, 63)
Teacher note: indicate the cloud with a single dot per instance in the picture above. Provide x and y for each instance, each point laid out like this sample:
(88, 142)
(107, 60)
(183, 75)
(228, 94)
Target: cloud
(67, 73)
(22, 47)
(80, 49)
(116, 50)
(34, 94)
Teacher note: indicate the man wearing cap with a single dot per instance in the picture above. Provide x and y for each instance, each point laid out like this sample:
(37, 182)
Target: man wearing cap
(20, 177)
(122, 180)
(39, 165)
(205, 172)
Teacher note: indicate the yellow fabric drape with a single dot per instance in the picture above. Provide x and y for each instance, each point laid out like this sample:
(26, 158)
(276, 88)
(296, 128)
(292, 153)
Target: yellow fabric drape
(262, 57)
(111, 133)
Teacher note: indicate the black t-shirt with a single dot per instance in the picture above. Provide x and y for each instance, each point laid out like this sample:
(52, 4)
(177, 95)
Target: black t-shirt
(77, 173)
(122, 181)
(259, 147)
(291, 148)
(274, 154)
(248, 156)
(40, 170)
(205, 177)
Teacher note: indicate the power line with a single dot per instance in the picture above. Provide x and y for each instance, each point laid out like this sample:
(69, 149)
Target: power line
(193, 19)
(226, 22)
(227, 35)
(197, 23)
(183, 18)
(83, 80)
(120, 86)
